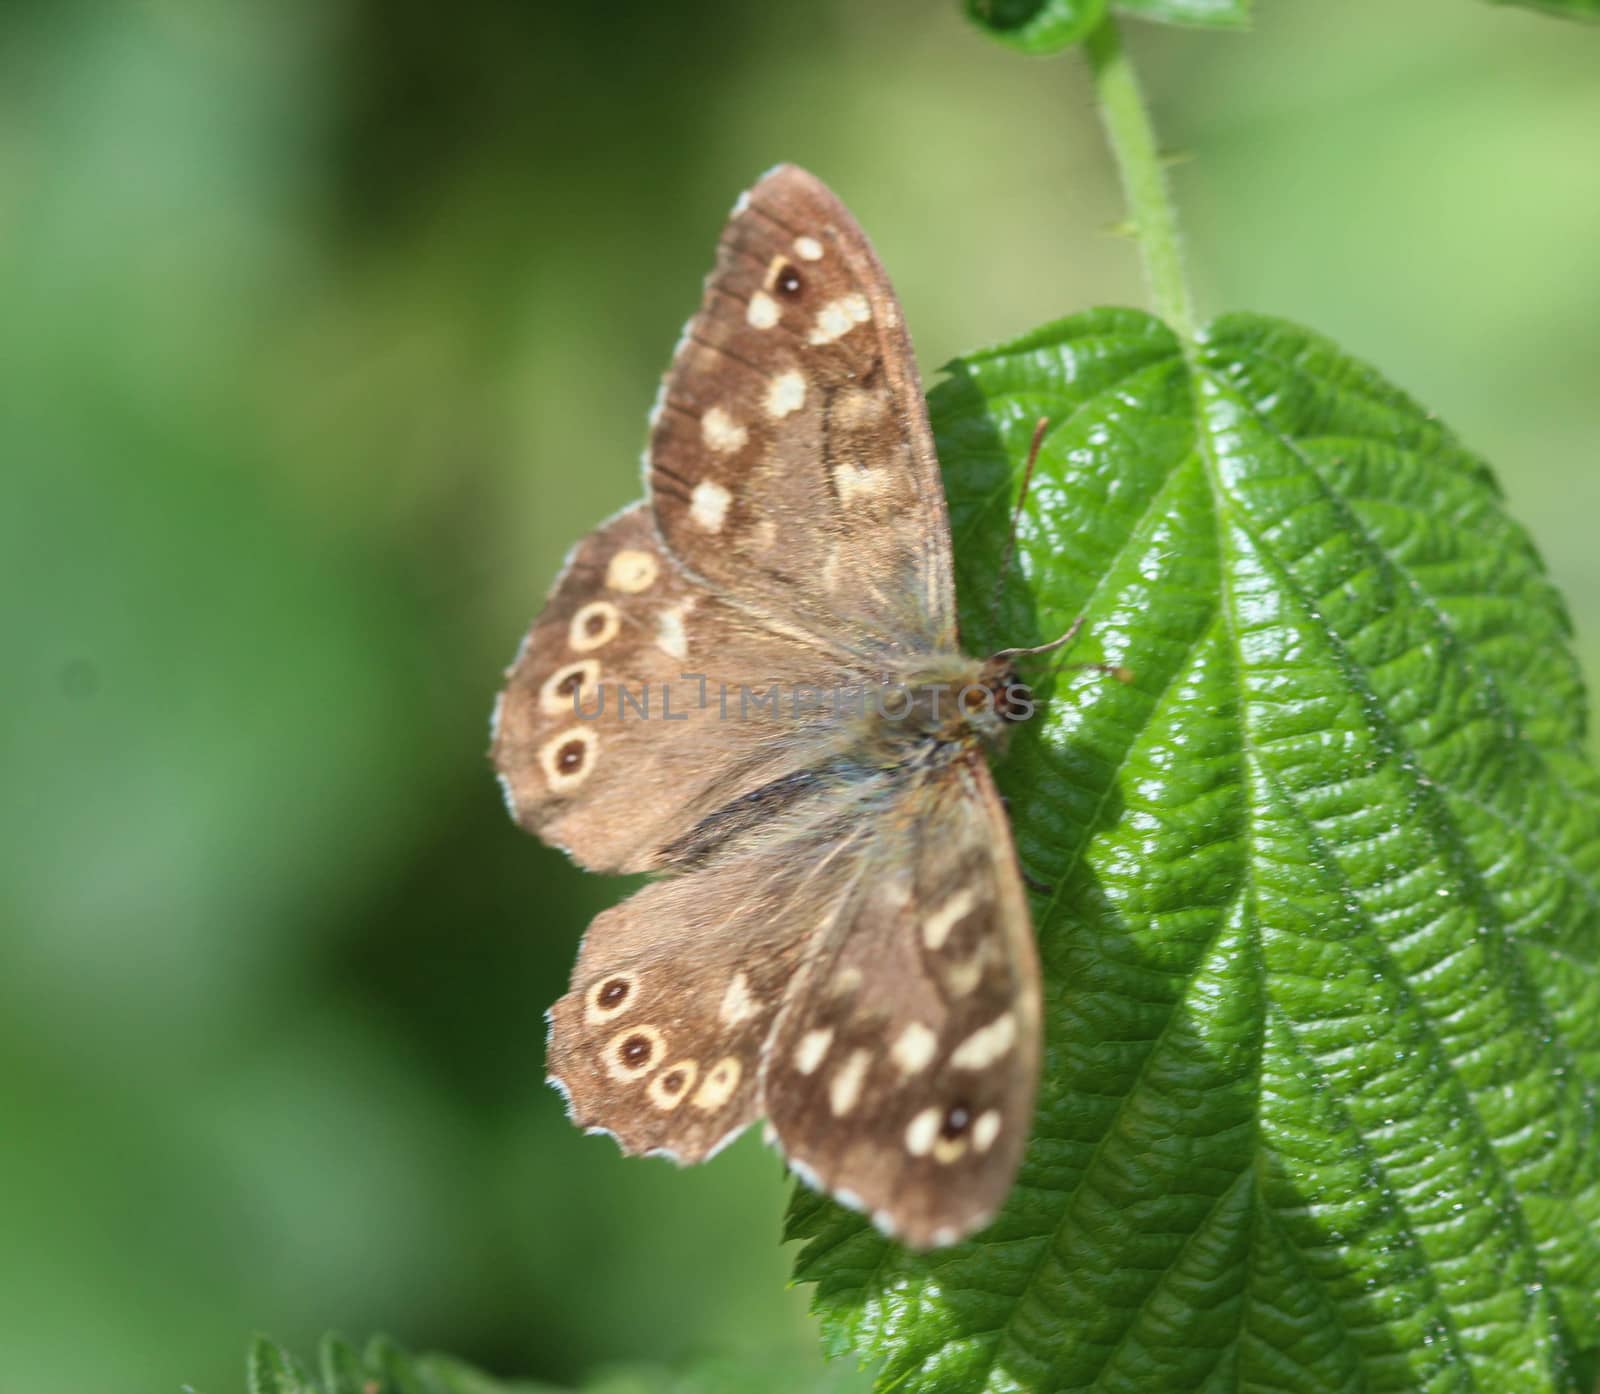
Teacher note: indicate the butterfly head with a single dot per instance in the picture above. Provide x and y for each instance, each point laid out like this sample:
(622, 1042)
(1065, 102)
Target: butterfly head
(1012, 699)
(952, 701)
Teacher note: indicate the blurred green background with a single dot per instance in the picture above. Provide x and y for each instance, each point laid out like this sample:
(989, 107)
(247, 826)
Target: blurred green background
(326, 326)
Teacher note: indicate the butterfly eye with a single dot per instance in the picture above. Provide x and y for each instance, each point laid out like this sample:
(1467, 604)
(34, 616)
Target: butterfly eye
(1015, 701)
(789, 282)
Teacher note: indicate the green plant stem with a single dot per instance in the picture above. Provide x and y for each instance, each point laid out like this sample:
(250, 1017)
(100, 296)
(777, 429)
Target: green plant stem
(1133, 142)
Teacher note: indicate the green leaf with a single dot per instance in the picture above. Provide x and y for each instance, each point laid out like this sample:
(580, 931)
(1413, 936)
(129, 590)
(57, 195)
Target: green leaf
(1565, 9)
(1212, 14)
(1322, 1008)
(1036, 26)
(272, 1370)
(740, 1376)
(342, 1372)
(395, 1371)
(384, 1368)
(444, 1374)
(1049, 26)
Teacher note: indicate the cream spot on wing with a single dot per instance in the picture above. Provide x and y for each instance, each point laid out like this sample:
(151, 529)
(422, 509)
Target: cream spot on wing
(632, 571)
(708, 505)
(808, 249)
(561, 692)
(844, 1089)
(765, 535)
(852, 482)
(858, 409)
(986, 1129)
(838, 317)
(896, 894)
(948, 1149)
(961, 978)
(594, 626)
(719, 1084)
(671, 636)
(762, 312)
(610, 996)
(567, 757)
(921, 1132)
(737, 1002)
(915, 1048)
(721, 432)
(813, 1049)
(786, 393)
(846, 981)
(936, 928)
(671, 1087)
(986, 1045)
(633, 1052)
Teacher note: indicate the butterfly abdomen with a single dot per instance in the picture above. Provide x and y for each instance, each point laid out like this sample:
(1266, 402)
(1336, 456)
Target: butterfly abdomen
(739, 817)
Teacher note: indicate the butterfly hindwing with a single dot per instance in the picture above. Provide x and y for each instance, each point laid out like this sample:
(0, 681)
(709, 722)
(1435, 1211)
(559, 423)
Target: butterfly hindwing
(862, 974)
(660, 1039)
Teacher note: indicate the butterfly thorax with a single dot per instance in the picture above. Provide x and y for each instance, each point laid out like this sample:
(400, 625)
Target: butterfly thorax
(938, 706)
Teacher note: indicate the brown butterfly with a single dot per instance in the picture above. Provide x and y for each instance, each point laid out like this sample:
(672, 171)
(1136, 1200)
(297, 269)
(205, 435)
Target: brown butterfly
(751, 683)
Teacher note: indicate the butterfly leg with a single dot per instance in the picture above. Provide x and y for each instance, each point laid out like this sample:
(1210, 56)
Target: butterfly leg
(1033, 883)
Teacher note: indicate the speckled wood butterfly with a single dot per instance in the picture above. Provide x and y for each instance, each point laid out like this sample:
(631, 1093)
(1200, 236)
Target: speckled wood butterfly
(751, 683)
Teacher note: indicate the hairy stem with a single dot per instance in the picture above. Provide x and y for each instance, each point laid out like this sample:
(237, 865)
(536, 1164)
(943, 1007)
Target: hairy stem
(1133, 142)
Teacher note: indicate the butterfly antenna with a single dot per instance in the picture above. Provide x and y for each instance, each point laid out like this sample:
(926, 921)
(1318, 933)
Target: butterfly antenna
(1114, 670)
(1051, 647)
(1016, 518)
(1111, 670)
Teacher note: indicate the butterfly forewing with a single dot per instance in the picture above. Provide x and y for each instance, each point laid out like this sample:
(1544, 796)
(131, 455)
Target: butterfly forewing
(901, 1073)
(790, 459)
(634, 709)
